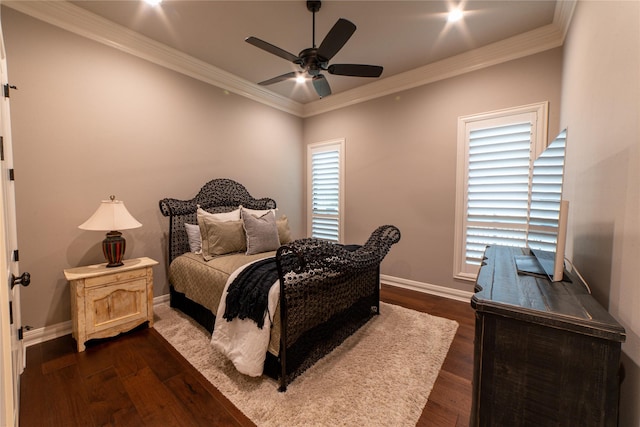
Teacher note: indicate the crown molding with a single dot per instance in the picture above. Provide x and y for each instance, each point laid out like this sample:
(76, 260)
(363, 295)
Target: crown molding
(529, 43)
(563, 15)
(77, 20)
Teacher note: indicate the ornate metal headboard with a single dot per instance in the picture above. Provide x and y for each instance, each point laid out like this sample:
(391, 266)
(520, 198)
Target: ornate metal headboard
(217, 195)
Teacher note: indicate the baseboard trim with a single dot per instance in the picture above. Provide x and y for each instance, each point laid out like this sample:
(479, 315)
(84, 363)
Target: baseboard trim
(427, 288)
(37, 336)
(40, 335)
(162, 299)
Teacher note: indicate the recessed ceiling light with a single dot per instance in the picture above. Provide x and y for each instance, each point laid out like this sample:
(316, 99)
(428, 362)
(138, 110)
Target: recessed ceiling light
(455, 15)
(153, 2)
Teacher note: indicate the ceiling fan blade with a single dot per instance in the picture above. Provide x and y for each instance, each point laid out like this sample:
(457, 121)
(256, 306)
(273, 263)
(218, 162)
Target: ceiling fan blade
(336, 38)
(356, 70)
(280, 78)
(275, 50)
(321, 85)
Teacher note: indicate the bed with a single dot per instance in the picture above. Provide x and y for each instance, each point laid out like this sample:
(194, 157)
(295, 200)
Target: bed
(323, 291)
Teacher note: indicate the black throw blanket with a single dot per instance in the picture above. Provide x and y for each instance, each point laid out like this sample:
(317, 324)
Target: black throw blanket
(248, 294)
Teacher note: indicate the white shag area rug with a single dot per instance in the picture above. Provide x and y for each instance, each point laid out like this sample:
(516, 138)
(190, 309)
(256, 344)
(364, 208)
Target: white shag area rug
(380, 376)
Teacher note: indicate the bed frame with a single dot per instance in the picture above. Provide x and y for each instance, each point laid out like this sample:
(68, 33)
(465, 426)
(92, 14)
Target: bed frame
(327, 290)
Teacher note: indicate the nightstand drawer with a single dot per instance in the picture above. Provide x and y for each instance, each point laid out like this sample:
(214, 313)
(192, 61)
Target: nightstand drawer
(115, 277)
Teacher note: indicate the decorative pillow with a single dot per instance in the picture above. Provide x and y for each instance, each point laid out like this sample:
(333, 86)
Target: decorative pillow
(224, 216)
(206, 229)
(193, 234)
(284, 233)
(256, 212)
(262, 232)
(221, 237)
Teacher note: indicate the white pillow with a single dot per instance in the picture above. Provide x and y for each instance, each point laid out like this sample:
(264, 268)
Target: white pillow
(195, 240)
(224, 216)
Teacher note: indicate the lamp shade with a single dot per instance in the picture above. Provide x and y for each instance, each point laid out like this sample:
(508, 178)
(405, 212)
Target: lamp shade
(110, 215)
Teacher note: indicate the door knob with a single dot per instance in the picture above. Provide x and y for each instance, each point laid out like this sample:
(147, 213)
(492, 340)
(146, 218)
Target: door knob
(24, 279)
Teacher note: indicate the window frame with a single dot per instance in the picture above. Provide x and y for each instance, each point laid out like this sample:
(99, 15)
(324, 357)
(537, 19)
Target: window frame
(326, 146)
(538, 115)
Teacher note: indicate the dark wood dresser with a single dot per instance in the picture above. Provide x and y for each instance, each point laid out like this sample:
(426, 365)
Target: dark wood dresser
(546, 354)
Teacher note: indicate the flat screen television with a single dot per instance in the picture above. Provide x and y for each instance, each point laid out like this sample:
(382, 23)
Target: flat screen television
(548, 214)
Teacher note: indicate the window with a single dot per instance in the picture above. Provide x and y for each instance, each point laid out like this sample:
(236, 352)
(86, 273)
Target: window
(325, 194)
(495, 160)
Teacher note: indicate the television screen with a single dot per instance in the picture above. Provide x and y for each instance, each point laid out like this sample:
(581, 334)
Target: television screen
(547, 213)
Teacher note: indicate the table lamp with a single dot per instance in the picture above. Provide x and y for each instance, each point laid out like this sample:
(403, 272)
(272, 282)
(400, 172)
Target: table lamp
(111, 216)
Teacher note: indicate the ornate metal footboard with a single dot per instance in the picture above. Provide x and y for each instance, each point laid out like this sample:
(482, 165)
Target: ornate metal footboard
(327, 292)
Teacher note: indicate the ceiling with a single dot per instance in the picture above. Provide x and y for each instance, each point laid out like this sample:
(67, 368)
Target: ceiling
(401, 36)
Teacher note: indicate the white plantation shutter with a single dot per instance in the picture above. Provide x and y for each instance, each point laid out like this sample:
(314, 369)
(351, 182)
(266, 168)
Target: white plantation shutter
(498, 188)
(495, 159)
(325, 190)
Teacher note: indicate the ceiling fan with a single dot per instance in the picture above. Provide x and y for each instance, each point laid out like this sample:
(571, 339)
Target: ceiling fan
(314, 60)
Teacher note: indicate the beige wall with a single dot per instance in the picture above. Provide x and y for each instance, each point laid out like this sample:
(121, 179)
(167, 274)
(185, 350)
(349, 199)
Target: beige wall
(89, 121)
(601, 109)
(401, 158)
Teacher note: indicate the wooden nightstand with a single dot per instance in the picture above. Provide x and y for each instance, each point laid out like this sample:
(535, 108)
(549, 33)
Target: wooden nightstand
(108, 301)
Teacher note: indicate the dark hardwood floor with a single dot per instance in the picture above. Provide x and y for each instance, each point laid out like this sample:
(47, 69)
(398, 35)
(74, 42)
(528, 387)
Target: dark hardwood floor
(138, 379)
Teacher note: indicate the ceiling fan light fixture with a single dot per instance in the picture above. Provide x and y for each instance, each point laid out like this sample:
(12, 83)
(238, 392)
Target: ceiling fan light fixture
(153, 2)
(314, 60)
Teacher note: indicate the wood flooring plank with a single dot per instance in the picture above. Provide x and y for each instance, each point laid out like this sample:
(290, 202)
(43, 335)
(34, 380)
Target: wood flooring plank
(54, 348)
(460, 357)
(222, 402)
(198, 401)
(128, 362)
(435, 415)
(97, 358)
(109, 402)
(156, 355)
(58, 363)
(452, 392)
(154, 402)
(65, 399)
(32, 388)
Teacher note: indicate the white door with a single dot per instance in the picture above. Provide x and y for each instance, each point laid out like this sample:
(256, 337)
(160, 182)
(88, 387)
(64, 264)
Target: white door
(11, 345)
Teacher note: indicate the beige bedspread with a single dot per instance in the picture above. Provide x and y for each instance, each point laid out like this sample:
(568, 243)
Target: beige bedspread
(203, 282)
